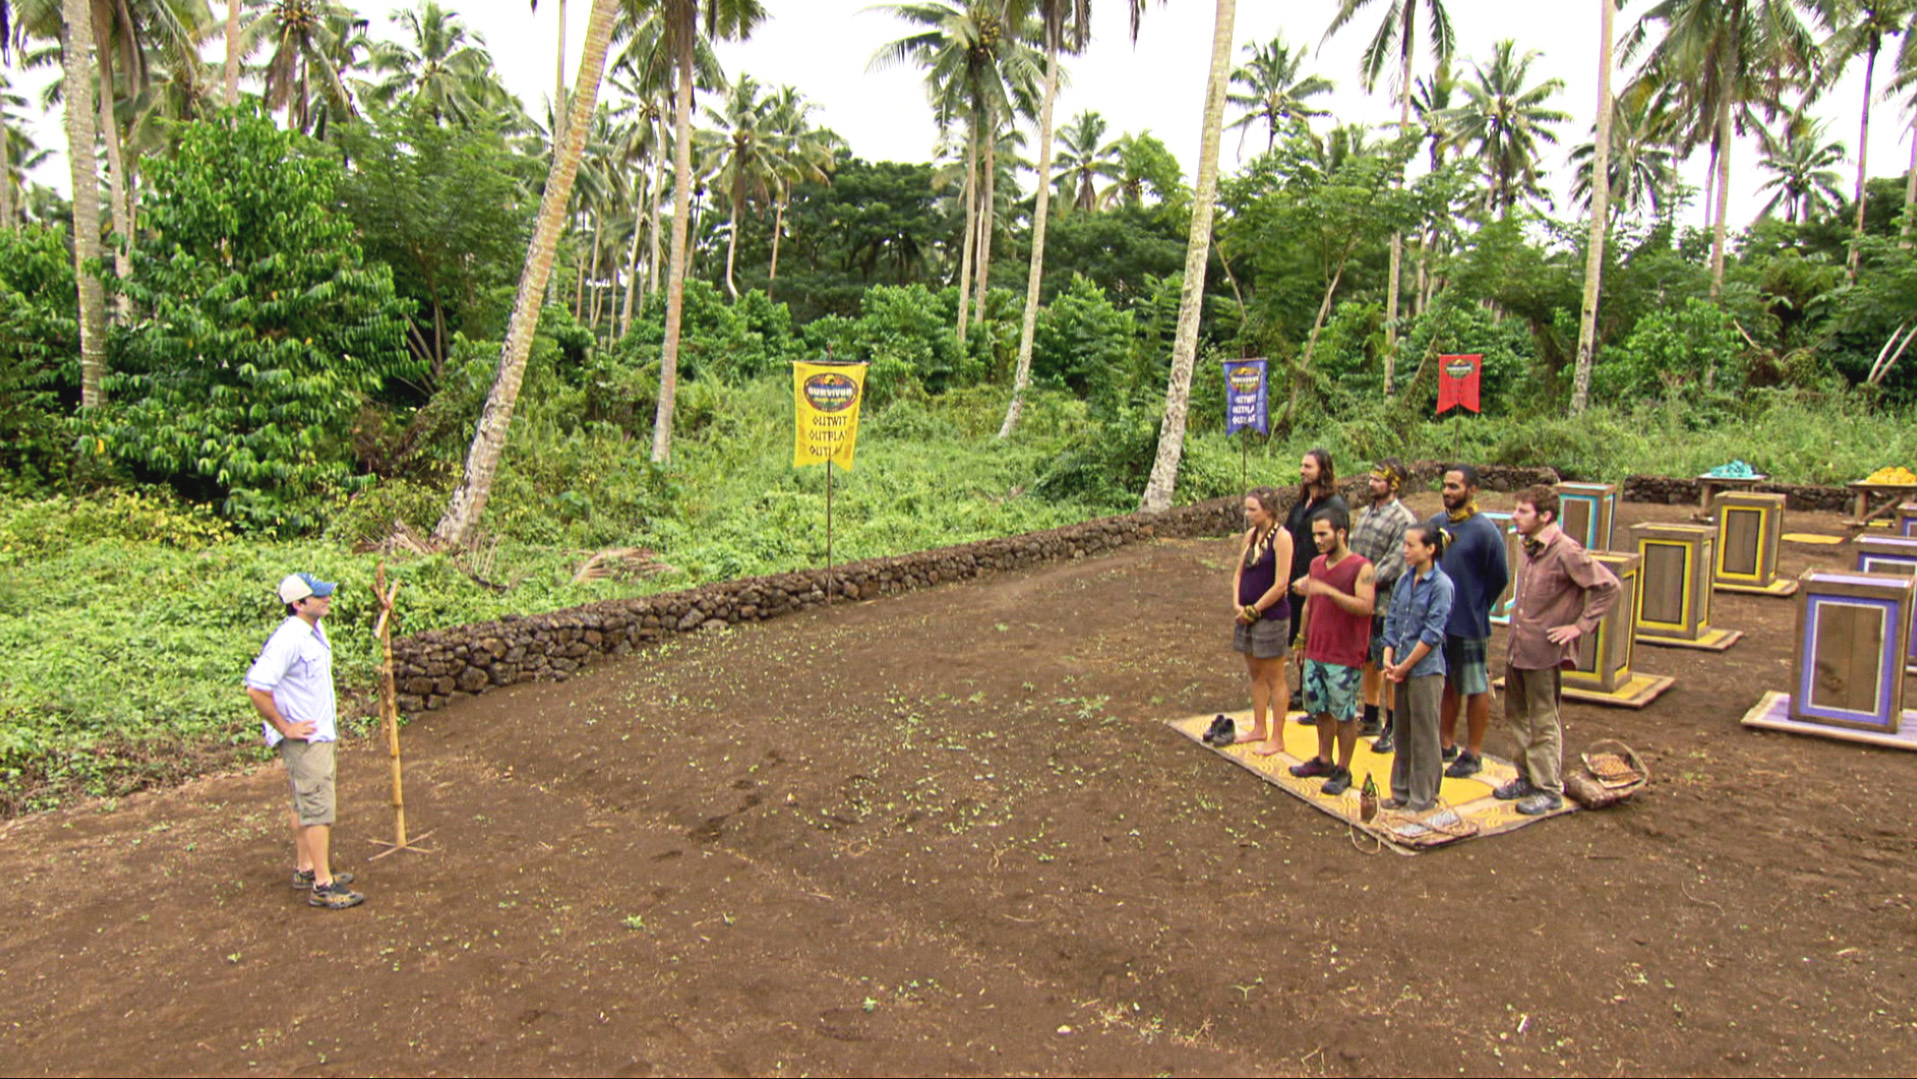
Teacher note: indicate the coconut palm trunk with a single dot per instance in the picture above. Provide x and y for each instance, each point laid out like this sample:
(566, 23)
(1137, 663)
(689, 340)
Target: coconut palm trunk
(232, 53)
(455, 528)
(632, 265)
(676, 270)
(968, 247)
(1863, 155)
(1718, 223)
(1028, 329)
(7, 215)
(1910, 184)
(732, 248)
(1171, 430)
(76, 37)
(1395, 274)
(987, 213)
(1600, 216)
(109, 129)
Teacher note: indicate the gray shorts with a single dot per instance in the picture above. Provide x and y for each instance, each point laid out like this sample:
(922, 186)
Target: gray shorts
(310, 766)
(1267, 638)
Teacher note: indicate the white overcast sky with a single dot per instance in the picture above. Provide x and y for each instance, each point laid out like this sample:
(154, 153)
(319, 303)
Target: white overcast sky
(823, 46)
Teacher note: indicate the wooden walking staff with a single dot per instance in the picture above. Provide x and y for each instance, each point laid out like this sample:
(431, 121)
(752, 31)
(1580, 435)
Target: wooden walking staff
(389, 718)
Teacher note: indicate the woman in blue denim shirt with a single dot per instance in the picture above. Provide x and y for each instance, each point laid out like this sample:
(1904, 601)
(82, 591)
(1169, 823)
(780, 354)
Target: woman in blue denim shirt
(1414, 659)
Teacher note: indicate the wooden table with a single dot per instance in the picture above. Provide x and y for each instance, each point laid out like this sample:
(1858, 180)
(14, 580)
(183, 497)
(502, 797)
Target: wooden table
(1709, 486)
(1892, 494)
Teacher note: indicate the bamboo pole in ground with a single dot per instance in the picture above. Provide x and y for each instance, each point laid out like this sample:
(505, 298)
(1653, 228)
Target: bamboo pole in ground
(389, 715)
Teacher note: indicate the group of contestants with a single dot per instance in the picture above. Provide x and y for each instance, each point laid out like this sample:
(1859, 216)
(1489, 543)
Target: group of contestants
(1387, 623)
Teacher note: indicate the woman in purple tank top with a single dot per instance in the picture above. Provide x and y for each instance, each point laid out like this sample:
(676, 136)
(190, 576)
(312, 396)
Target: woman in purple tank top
(1262, 608)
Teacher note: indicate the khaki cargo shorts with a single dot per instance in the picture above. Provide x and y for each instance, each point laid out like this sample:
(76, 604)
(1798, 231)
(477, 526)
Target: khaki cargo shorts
(310, 766)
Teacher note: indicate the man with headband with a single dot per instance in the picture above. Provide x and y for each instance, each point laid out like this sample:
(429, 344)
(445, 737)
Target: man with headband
(1379, 537)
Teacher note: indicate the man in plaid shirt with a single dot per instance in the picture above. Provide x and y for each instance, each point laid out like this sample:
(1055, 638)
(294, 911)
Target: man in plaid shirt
(1379, 537)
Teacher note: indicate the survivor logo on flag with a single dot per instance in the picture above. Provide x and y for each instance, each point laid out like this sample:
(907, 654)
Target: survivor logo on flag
(1458, 382)
(826, 402)
(1245, 396)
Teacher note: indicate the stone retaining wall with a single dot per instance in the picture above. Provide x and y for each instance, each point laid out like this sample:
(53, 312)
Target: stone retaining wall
(1681, 492)
(434, 667)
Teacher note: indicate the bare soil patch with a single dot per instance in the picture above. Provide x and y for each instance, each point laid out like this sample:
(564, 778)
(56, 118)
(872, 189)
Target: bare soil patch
(947, 833)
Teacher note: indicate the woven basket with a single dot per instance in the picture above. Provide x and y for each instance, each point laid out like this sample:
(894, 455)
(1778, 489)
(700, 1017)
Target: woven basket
(1611, 772)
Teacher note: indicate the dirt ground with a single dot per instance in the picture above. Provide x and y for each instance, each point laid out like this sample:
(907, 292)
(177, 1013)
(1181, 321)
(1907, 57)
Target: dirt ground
(947, 833)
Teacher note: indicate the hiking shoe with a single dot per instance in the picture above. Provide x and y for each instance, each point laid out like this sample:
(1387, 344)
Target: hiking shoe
(303, 879)
(1385, 744)
(1395, 802)
(1211, 732)
(1312, 768)
(1370, 728)
(334, 896)
(1466, 765)
(1339, 782)
(1449, 753)
(1514, 790)
(1538, 803)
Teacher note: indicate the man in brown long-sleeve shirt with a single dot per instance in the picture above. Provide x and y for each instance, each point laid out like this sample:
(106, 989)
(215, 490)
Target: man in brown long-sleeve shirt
(1562, 595)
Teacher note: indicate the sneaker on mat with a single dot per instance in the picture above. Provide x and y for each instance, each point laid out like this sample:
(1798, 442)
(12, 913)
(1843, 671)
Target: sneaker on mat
(1395, 802)
(1514, 790)
(1312, 768)
(334, 896)
(1385, 745)
(1466, 765)
(1539, 803)
(1449, 753)
(1339, 782)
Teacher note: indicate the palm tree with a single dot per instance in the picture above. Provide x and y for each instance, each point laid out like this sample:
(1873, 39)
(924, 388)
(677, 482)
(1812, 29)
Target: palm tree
(1719, 60)
(724, 19)
(1860, 27)
(743, 155)
(1143, 165)
(808, 157)
(76, 39)
(456, 526)
(1171, 429)
(1803, 168)
(1398, 28)
(1067, 26)
(1600, 209)
(1276, 91)
(1642, 166)
(980, 69)
(311, 42)
(1507, 120)
(1084, 159)
(441, 66)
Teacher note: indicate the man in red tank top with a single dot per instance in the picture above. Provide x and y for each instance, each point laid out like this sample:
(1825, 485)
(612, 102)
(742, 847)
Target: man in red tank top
(1339, 593)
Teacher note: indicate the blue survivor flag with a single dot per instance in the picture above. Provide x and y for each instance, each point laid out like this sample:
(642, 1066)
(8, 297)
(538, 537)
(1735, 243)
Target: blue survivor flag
(1245, 396)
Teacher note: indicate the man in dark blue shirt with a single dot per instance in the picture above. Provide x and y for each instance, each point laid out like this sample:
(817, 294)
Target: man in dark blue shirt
(1474, 559)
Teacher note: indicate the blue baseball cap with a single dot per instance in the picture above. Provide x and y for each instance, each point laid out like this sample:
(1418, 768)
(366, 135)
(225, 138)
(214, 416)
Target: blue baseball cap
(299, 586)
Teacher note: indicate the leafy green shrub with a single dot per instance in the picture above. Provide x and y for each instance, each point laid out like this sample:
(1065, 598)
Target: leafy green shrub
(39, 354)
(260, 330)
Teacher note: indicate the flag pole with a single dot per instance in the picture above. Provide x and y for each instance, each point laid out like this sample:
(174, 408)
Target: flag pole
(829, 589)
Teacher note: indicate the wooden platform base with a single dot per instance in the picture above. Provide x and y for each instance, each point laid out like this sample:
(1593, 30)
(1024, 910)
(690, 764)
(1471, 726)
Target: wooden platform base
(1641, 690)
(1717, 640)
(1773, 712)
(1783, 586)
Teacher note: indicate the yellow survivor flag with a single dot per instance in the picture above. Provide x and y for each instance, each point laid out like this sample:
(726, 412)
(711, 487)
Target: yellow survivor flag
(826, 403)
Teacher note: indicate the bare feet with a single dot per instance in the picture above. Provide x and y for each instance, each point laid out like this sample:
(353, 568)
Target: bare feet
(1270, 748)
(1258, 734)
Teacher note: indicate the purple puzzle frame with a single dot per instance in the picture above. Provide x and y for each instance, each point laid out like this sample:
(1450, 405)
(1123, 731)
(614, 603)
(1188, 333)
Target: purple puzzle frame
(1902, 558)
(1890, 665)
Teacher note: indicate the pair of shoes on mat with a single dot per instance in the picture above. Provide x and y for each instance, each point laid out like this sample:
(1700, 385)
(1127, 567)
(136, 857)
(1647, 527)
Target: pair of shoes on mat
(1538, 803)
(1313, 768)
(1221, 733)
(1468, 764)
(334, 895)
(1514, 790)
(303, 879)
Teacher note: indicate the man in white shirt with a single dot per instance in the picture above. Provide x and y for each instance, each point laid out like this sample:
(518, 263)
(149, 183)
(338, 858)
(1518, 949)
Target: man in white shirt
(291, 685)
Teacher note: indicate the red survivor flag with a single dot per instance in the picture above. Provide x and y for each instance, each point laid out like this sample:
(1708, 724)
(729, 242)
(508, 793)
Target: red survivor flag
(1458, 382)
